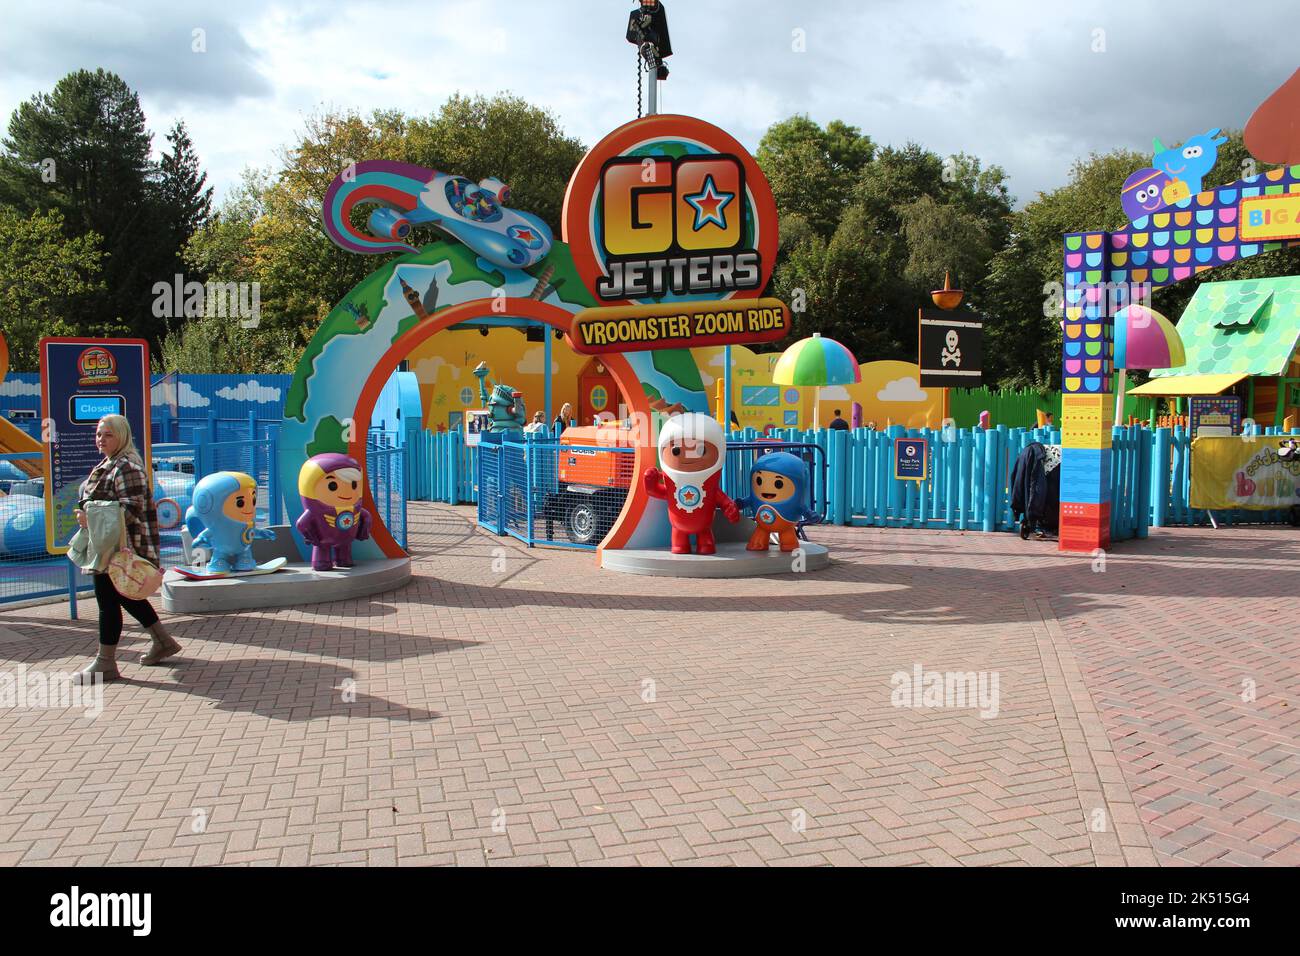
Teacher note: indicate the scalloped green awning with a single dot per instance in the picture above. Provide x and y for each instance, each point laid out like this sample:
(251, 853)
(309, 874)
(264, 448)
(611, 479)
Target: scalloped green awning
(1247, 327)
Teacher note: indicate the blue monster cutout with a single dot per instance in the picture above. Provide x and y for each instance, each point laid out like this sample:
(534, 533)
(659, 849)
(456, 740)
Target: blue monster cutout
(1192, 161)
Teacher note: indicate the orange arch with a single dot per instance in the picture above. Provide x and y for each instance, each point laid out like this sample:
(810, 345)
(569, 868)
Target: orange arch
(551, 315)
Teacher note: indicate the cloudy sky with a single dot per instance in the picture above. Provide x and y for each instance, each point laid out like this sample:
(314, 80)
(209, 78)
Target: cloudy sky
(1029, 85)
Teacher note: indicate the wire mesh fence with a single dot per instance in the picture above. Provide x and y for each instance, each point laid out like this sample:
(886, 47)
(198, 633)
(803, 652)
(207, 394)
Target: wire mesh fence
(386, 469)
(543, 490)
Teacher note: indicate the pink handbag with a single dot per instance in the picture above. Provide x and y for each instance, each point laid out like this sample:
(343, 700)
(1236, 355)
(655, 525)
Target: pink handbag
(133, 576)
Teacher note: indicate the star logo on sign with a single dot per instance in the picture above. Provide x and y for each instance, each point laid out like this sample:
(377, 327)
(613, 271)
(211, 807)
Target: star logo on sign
(688, 496)
(708, 204)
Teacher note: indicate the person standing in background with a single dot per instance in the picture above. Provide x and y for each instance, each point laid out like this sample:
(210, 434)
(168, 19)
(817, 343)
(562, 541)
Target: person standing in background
(838, 423)
(562, 420)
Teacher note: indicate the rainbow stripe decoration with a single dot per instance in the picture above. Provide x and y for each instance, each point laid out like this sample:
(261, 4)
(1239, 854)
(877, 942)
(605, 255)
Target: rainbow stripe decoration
(1146, 339)
(816, 361)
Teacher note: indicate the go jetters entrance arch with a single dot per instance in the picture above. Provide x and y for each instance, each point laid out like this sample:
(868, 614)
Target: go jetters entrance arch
(367, 335)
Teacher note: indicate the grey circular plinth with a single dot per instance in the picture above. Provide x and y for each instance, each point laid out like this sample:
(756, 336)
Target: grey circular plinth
(731, 561)
(292, 586)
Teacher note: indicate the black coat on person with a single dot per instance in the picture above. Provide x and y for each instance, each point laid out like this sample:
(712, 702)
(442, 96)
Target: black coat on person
(1035, 492)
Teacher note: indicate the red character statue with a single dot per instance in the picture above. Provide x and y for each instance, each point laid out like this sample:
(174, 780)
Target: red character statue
(691, 449)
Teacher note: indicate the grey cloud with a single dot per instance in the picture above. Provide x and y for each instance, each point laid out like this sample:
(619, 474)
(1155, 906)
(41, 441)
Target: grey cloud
(150, 46)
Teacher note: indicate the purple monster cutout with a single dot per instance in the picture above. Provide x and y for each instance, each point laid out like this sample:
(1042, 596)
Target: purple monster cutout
(1143, 193)
(332, 516)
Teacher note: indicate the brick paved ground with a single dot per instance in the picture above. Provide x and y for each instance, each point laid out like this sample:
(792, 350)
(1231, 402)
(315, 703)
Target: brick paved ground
(534, 711)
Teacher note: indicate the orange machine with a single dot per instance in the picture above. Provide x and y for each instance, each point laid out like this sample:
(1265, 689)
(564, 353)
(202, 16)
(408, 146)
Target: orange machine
(593, 480)
(594, 467)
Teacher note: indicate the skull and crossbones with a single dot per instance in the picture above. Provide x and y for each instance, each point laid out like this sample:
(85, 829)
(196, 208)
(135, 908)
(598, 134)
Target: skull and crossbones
(951, 353)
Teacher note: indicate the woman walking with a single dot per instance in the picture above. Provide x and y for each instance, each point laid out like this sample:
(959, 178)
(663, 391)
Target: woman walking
(120, 477)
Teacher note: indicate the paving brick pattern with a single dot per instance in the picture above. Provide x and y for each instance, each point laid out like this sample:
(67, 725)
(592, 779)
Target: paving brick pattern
(516, 707)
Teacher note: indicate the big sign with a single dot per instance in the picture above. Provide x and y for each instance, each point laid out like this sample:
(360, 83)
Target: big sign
(669, 209)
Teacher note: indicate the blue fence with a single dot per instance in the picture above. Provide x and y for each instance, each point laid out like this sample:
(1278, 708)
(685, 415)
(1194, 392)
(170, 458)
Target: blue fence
(967, 488)
(386, 469)
(441, 467)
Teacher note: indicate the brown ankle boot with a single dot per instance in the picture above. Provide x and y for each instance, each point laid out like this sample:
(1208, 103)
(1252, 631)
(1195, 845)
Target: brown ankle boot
(104, 665)
(163, 647)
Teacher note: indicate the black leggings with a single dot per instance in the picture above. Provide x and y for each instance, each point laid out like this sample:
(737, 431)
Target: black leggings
(110, 610)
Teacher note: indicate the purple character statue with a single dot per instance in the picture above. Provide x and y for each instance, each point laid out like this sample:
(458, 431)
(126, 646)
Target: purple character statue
(332, 515)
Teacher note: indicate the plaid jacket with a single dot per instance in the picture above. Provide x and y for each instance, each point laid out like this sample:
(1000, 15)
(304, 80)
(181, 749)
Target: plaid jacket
(122, 479)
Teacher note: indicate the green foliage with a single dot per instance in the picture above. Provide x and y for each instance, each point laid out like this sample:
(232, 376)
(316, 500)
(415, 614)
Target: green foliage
(220, 345)
(812, 170)
(868, 233)
(83, 150)
(185, 202)
(43, 274)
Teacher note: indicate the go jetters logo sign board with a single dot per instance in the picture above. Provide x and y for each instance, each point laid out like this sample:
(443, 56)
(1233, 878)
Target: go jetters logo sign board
(667, 216)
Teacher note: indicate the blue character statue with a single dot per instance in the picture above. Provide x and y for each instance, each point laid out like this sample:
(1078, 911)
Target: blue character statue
(223, 517)
(778, 493)
(505, 405)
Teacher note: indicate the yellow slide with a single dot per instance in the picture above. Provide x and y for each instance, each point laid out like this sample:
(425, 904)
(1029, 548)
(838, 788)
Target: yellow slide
(13, 440)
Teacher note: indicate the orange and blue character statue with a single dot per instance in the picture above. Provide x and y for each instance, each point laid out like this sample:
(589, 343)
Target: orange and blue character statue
(778, 493)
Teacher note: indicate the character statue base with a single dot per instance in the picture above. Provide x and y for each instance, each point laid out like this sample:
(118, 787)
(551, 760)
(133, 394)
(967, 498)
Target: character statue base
(294, 585)
(732, 560)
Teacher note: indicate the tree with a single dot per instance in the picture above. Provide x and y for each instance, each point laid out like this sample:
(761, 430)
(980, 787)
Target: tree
(896, 219)
(184, 202)
(943, 237)
(811, 169)
(42, 274)
(84, 150)
(1023, 291)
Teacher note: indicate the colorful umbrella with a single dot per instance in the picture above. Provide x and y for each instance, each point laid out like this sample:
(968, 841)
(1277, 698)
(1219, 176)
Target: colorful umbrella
(1143, 339)
(1146, 339)
(816, 361)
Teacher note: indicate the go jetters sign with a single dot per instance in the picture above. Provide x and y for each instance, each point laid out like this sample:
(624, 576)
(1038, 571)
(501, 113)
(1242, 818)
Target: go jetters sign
(670, 221)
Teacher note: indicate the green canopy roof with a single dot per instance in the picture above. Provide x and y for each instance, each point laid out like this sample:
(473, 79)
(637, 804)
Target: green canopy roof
(1249, 327)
